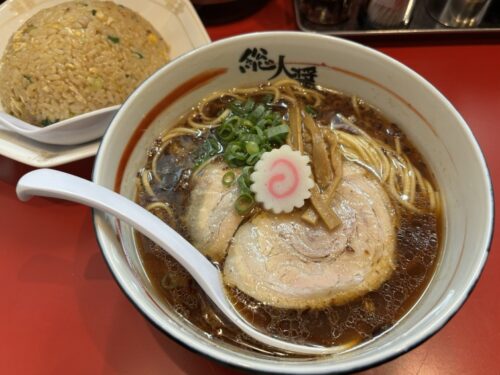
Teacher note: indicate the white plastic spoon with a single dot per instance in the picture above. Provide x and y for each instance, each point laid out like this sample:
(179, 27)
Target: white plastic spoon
(75, 130)
(55, 184)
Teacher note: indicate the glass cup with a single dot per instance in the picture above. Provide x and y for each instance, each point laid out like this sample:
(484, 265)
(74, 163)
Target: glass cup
(458, 13)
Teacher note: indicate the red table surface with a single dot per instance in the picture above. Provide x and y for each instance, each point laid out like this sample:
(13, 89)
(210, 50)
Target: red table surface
(61, 311)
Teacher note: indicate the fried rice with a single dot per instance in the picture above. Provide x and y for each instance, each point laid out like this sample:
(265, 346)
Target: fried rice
(77, 57)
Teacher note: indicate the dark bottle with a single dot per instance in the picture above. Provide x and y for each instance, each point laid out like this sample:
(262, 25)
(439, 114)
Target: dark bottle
(326, 12)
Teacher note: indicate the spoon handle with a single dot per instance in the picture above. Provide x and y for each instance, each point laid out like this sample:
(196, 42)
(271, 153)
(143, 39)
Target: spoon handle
(56, 184)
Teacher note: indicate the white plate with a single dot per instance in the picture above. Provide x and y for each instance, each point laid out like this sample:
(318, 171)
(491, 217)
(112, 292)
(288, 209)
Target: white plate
(175, 20)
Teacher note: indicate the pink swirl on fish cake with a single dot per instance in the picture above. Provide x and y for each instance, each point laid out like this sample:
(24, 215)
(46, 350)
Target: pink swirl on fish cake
(283, 176)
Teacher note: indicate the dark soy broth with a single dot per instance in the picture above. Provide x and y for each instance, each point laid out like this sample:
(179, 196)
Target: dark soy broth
(417, 249)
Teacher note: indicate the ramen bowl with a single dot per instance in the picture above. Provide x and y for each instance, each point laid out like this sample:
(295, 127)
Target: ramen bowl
(423, 114)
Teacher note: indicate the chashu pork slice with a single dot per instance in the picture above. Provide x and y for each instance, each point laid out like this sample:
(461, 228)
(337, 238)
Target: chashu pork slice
(211, 218)
(282, 261)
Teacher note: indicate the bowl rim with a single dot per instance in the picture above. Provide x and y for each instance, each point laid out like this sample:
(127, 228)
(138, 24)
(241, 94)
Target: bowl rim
(387, 354)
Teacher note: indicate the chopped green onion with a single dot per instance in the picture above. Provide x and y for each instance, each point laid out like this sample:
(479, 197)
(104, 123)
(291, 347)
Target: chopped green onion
(234, 155)
(268, 98)
(244, 181)
(214, 145)
(114, 39)
(277, 131)
(264, 122)
(250, 137)
(247, 123)
(267, 147)
(228, 178)
(242, 184)
(258, 112)
(254, 158)
(247, 171)
(252, 147)
(138, 54)
(226, 132)
(235, 107)
(248, 106)
(259, 132)
(244, 203)
(47, 122)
